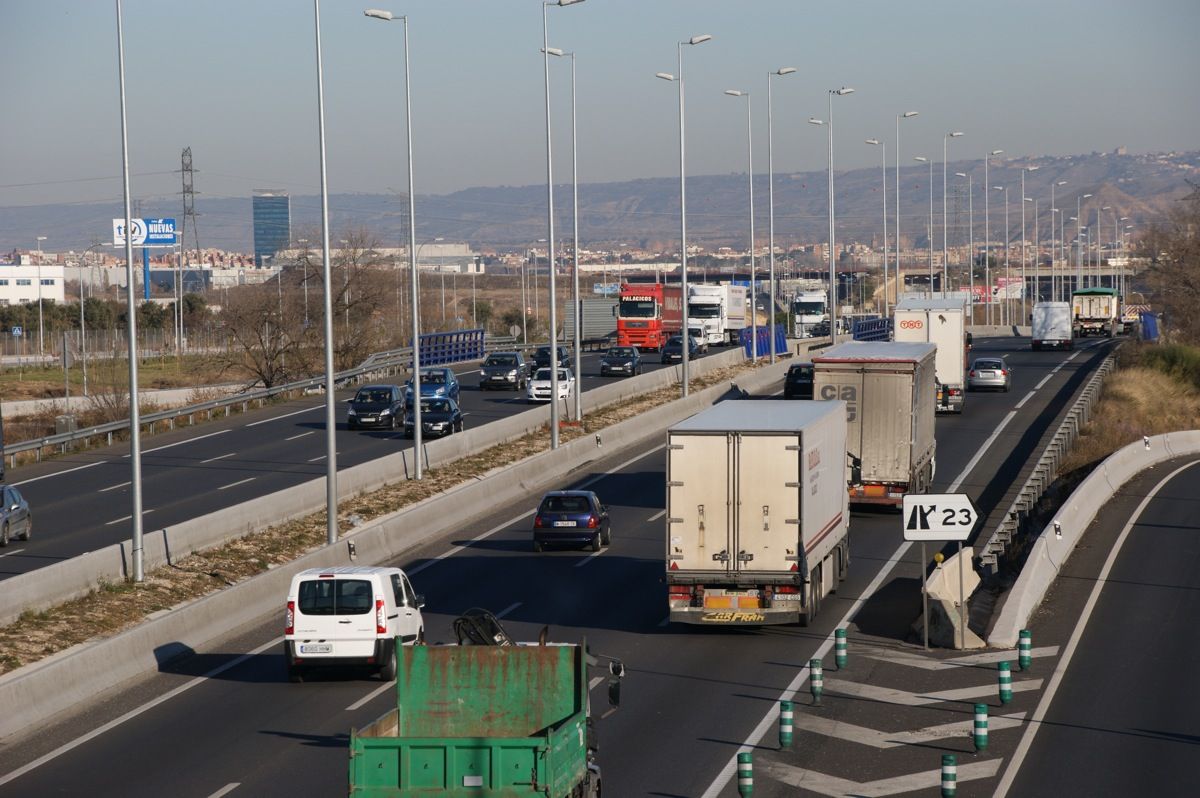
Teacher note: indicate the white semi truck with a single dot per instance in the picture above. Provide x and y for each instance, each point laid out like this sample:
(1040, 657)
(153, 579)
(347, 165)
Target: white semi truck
(1051, 326)
(942, 322)
(757, 515)
(720, 309)
(809, 309)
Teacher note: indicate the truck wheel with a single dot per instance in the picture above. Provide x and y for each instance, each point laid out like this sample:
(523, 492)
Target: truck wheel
(387, 671)
(808, 615)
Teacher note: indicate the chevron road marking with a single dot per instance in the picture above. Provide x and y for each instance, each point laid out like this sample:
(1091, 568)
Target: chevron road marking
(835, 787)
(930, 664)
(803, 721)
(904, 698)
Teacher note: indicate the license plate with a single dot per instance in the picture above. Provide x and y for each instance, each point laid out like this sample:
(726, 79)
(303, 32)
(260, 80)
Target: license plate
(316, 648)
(564, 523)
(367, 419)
(987, 373)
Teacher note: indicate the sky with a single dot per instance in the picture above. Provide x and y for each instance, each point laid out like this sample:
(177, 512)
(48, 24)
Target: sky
(235, 80)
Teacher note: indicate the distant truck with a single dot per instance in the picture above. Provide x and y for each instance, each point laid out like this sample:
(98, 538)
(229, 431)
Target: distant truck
(1095, 311)
(599, 319)
(720, 310)
(889, 391)
(756, 514)
(942, 322)
(809, 309)
(485, 718)
(1051, 326)
(648, 314)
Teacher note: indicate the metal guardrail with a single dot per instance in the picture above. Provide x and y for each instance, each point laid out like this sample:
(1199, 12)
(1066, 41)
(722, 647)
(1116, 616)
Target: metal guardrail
(445, 347)
(1015, 521)
(872, 330)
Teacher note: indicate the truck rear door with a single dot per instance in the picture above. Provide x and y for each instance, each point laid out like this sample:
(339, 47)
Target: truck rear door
(767, 501)
(844, 382)
(886, 426)
(699, 505)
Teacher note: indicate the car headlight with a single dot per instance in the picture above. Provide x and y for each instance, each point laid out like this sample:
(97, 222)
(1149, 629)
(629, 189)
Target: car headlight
(352, 413)
(629, 365)
(385, 412)
(512, 373)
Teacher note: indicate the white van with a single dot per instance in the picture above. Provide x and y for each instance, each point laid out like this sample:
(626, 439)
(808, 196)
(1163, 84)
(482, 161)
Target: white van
(350, 615)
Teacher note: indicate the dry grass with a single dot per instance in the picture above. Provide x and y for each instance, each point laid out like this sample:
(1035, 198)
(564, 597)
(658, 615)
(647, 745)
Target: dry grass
(116, 607)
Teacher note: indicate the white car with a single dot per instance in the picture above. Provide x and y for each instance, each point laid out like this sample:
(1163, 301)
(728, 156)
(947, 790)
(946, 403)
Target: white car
(350, 615)
(539, 387)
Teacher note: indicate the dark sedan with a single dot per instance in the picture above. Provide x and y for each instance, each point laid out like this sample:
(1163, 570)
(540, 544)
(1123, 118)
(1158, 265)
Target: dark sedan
(438, 417)
(798, 384)
(503, 370)
(672, 351)
(621, 360)
(375, 406)
(541, 358)
(574, 517)
(15, 518)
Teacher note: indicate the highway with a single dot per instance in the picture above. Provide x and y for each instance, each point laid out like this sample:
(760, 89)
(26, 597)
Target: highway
(80, 502)
(691, 697)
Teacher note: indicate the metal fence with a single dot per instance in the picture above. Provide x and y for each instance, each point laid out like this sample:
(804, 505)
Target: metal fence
(872, 330)
(763, 341)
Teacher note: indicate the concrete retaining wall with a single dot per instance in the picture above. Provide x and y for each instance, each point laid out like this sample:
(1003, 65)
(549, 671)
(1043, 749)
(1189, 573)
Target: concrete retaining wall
(37, 692)
(1049, 552)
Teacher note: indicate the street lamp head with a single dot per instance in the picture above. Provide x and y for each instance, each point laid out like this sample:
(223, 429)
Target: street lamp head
(701, 39)
(814, 121)
(909, 114)
(1106, 208)
(844, 90)
(1028, 199)
(920, 158)
(872, 141)
(379, 14)
(737, 93)
(955, 134)
(1061, 183)
(1000, 188)
(1123, 219)
(554, 51)
(564, 2)
(1085, 196)
(960, 174)
(1032, 168)
(664, 75)
(784, 71)
(996, 152)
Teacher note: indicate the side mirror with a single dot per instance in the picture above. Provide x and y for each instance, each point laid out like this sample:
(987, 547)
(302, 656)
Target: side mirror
(419, 601)
(350, 400)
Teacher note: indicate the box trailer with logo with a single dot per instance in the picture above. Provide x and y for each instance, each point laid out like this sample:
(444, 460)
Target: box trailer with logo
(942, 322)
(757, 517)
(888, 389)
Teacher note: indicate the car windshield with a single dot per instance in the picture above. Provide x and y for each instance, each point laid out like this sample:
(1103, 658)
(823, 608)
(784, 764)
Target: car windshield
(704, 311)
(808, 308)
(433, 377)
(566, 504)
(674, 340)
(988, 364)
(435, 406)
(501, 360)
(637, 309)
(801, 372)
(373, 395)
(335, 597)
(621, 351)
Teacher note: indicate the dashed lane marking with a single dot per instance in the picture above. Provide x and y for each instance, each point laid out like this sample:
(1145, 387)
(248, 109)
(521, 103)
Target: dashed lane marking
(835, 787)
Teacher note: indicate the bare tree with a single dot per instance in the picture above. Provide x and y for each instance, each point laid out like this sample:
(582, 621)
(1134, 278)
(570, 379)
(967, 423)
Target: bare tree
(1173, 247)
(264, 335)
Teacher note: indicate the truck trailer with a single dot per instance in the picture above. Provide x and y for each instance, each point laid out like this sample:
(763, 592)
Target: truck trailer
(942, 322)
(889, 391)
(720, 310)
(1095, 311)
(756, 513)
(1051, 326)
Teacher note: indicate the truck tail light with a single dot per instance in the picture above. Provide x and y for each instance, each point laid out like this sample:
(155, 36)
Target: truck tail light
(792, 589)
(679, 591)
(956, 392)
(593, 522)
(380, 620)
(289, 624)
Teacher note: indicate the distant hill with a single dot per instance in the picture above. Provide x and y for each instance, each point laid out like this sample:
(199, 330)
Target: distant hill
(645, 213)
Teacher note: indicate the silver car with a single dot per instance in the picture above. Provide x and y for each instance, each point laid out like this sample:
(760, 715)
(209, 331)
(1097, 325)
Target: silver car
(15, 518)
(989, 372)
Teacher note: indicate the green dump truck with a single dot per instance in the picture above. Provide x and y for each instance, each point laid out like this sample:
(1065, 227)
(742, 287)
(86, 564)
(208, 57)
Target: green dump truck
(483, 720)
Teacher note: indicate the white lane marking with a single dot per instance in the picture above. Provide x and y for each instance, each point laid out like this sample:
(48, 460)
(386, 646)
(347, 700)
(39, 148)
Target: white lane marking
(835, 787)
(218, 457)
(656, 516)
(904, 698)
(133, 713)
(11, 553)
(241, 482)
(1021, 403)
(373, 694)
(508, 609)
(589, 558)
(931, 664)
(119, 520)
(181, 443)
(982, 450)
(228, 788)
(1060, 668)
(597, 680)
(301, 435)
(286, 415)
(1072, 357)
(322, 457)
(58, 473)
(1045, 380)
(114, 487)
(874, 738)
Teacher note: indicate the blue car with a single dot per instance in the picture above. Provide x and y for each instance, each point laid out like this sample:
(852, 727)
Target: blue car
(572, 517)
(436, 383)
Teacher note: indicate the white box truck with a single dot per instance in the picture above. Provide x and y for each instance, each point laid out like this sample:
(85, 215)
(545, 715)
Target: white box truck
(720, 309)
(1051, 326)
(757, 515)
(942, 322)
(809, 309)
(888, 389)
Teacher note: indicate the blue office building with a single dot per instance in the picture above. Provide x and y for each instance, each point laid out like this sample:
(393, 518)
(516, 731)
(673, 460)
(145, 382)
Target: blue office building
(272, 223)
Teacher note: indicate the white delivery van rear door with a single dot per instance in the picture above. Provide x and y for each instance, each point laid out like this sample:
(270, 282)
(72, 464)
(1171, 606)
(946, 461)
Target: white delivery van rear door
(335, 616)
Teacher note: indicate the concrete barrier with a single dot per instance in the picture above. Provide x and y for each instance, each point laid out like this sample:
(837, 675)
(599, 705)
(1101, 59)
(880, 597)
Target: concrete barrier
(1049, 552)
(999, 330)
(32, 694)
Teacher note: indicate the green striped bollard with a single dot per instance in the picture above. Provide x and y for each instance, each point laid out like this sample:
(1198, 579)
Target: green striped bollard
(949, 776)
(785, 725)
(839, 647)
(745, 767)
(1005, 671)
(981, 727)
(1025, 649)
(816, 681)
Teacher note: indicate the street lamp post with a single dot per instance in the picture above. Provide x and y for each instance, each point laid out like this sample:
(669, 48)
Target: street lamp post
(1079, 273)
(883, 150)
(683, 275)
(970, 238)
(1054, 250)
(905, 115)
(771, 198)
(41, 326)
(1007, 273)
(987, 233)
(833, 286)
(750, 171)
(945, 247)
(929, 161)
(1024, 199)
(412, 249)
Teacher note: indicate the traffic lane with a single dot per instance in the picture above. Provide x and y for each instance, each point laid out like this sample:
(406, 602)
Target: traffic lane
(1123, 721)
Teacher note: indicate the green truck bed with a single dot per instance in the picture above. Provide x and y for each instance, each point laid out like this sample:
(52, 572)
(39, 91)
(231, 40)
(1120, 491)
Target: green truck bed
(478, 720)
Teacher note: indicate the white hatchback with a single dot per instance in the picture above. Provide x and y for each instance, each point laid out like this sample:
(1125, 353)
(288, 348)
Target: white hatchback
(350, 615)
(539, 388)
